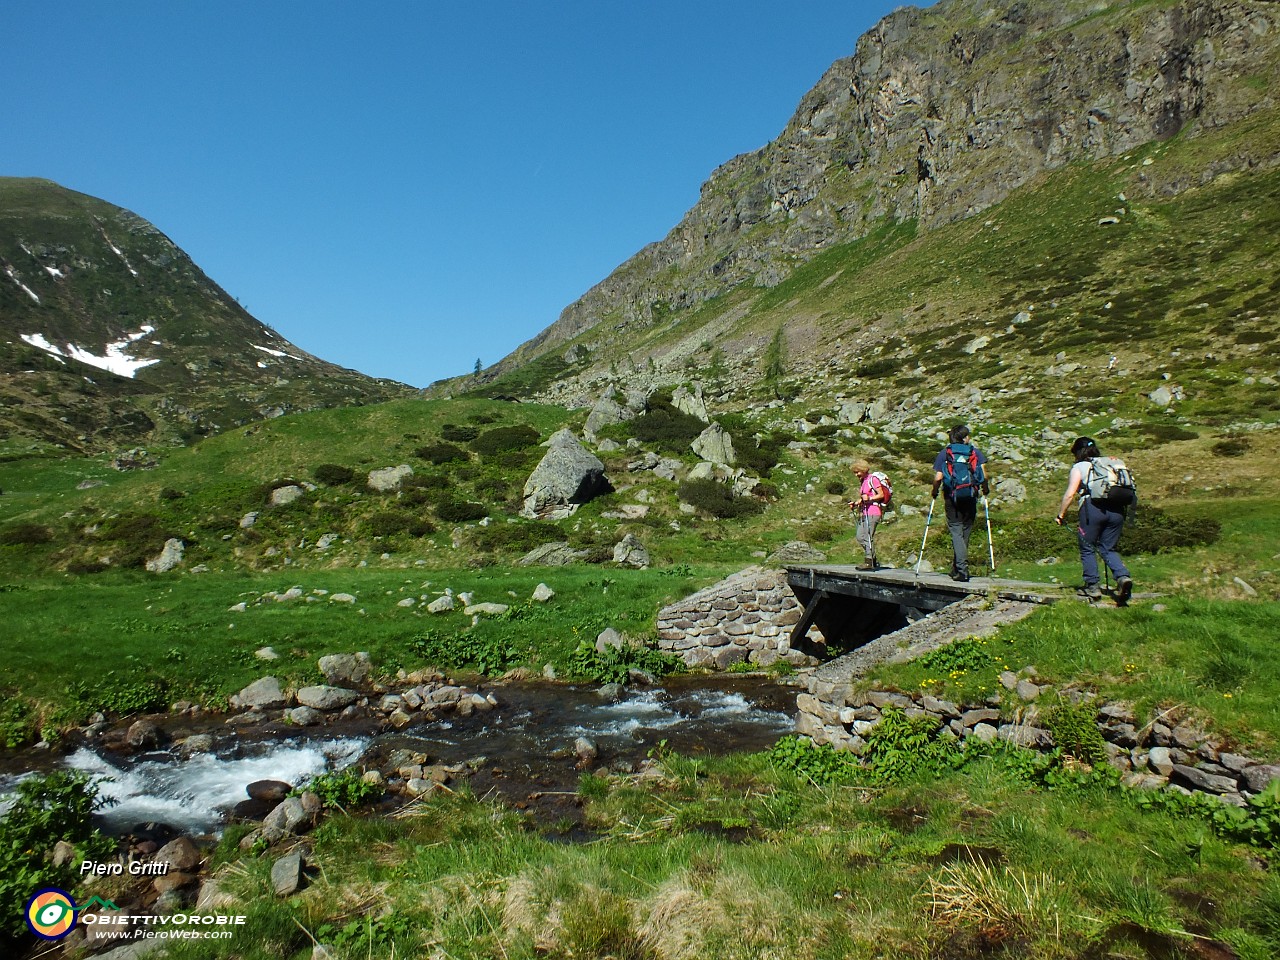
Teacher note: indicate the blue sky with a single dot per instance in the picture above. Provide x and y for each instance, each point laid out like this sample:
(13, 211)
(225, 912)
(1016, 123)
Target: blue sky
(407, 187)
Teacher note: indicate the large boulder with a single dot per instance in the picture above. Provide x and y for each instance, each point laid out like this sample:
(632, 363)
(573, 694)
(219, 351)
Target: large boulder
(389, 479)
(690, 401)
(346, 669)
(631, 552)
(612, 408)
(557, 554)
(715, 444)
(264, 694)
(324, 697)
(568, 475)
(170, 557)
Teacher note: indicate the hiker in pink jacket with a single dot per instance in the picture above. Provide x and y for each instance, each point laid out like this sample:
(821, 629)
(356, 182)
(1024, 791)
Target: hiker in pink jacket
(873, 494)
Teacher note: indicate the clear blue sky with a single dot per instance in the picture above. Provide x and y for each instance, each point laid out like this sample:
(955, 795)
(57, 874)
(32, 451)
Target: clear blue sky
(407, 187)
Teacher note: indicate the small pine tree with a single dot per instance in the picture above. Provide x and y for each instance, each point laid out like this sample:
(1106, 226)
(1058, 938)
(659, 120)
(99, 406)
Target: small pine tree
(717, 370)
(775, 363)
(479, 367)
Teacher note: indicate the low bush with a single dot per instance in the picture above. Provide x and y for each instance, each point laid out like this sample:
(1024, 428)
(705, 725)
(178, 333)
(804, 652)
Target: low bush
(1149, 530)
(1231, 447)
(614, 664)
(139, 537)
(504, 439)
(487, 654)
(17, 723)
(455, 433)
(25, 535)
(666, 427)
(120, 693)
(716, 499)
(168, 493)
(515, 537)
(439, 453)
(47, 809)
(460, 511)
(343, 790)
(333, 474)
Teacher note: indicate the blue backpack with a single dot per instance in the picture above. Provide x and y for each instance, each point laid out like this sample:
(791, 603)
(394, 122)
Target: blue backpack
(963, 475)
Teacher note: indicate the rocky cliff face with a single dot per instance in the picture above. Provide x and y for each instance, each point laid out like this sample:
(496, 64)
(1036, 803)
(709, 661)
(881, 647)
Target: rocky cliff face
(938, 115)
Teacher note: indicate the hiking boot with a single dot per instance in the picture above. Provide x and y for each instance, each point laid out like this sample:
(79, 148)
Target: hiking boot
(1124, 590)
(1091, 592)
(865, 566)
(960, 577)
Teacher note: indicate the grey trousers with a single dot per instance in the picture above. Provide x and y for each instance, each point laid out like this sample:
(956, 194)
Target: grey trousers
(866, 534)
(960, 519)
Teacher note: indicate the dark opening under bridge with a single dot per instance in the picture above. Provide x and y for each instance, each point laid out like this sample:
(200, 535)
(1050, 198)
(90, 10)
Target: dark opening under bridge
(853, 607)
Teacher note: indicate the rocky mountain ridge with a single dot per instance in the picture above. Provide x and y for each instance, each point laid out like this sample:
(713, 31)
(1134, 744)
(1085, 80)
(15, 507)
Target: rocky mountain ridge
(939, 115)
(112, 334)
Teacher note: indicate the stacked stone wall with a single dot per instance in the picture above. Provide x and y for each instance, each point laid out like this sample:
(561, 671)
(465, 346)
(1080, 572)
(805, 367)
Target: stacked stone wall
(1161, 754)
(747, 617)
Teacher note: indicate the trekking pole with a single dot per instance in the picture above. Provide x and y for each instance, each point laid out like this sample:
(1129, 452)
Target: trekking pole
(990, 543)
(928, 520)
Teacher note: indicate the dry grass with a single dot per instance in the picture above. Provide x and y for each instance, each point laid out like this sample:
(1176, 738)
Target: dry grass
(1000, 904)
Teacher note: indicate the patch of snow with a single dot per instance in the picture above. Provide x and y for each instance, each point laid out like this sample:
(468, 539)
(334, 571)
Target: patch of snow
(274, 353)
(14, 277)
(114, 361)
(54, 272)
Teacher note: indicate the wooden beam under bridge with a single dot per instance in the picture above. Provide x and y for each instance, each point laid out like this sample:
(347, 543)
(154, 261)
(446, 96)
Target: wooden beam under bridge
(851, 606)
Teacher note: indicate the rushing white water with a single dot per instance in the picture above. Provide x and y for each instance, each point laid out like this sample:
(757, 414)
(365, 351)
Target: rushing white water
(529, 735)
(194, 794)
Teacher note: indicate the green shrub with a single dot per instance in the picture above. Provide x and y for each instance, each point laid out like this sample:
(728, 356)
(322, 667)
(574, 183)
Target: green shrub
(47, 808)
(388, 524)
(1232, 447)
(121, 693)
(717, 499)
(837, 488)
(1075, 732)
(139, 537)
(343, 789)
(333, 474)
(25, 535)
(1149, 530)
(438, 453)
(503, 439)
(515, 537)
(460, 511)
(168, 493)
(455, 433)
(818, 765)
(17, 723)
(614, 664)
(487, 654)
(666, 427)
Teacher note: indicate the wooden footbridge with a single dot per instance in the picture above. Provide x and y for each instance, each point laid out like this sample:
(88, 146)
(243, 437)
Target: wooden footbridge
(851, 607)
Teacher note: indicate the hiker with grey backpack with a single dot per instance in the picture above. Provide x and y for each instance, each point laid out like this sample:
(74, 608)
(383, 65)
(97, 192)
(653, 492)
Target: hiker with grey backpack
(1107, 489)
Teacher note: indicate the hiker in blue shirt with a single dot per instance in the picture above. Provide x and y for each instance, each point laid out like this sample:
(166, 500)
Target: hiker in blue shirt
(960, 471)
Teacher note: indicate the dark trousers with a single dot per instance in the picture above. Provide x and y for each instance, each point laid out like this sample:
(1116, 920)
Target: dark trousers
(960, 519)
(1099, 533)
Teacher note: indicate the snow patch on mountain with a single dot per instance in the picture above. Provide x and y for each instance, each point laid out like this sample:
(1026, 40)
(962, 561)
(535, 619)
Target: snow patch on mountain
(114, 359)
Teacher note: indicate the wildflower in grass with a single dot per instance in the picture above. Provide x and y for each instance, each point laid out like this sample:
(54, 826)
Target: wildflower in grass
(1227, 696)
(1130, 667)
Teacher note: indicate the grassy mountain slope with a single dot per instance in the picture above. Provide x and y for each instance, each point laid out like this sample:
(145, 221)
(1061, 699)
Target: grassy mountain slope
(79, 274)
